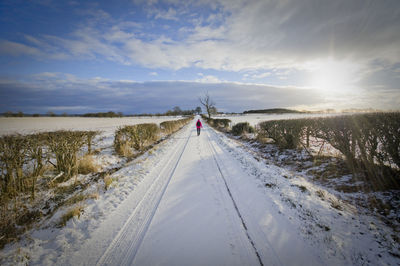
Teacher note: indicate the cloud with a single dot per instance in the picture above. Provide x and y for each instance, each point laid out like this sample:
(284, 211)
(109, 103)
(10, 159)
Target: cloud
(260, 40)
(170, 14)
(207, 78)
(64, 92)
(233, 35)
(68, 93)
(17, 49)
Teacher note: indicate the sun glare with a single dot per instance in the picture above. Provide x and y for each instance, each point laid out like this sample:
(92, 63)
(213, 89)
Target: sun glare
(332, 76)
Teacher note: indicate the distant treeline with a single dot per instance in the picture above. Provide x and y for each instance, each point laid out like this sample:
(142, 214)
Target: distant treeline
(174, 112)
(51, 114)
(271, 111)
(107, 114)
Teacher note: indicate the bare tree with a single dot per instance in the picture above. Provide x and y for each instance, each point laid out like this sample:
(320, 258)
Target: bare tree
(208, 103)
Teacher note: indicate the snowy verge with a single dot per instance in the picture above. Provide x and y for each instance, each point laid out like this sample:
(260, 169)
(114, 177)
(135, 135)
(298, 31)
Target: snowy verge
(338, 231)
(50, 245)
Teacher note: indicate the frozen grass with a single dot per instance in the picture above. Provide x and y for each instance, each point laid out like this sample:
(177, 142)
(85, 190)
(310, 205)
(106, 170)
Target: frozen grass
(107, 182)
(87, 165)
(73, 212)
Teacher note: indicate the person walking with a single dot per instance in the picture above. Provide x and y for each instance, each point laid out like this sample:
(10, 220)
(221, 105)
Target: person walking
(198, 126)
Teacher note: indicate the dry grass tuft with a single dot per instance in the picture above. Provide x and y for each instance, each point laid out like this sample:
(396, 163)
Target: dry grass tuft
(94, 196)
(321, 194)
(336, 204)
(302, 188)
(87, 165)
(107, 182)
(75, 211)
(80, 197)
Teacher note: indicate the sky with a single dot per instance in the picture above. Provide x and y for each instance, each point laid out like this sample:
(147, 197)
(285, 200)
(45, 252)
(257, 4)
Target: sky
(148, 56)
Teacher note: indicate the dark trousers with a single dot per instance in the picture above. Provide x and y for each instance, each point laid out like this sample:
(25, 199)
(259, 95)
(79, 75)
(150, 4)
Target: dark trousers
(198, 131)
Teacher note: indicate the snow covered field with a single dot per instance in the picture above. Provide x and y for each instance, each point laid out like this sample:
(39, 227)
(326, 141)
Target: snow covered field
(27, 125)
(106, 126)
(207, 201)
(254, 119)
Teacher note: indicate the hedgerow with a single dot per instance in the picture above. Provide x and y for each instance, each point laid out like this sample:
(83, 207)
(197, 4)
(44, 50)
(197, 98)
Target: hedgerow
(220, 124)
(370, 143)
(242, 128)
(136, 137)
(286, 133)
(23, 160)
(172, 126)
(139, 137)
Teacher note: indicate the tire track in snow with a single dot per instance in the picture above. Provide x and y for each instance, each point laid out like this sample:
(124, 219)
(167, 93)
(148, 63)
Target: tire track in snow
(234, 202)
(125, 245)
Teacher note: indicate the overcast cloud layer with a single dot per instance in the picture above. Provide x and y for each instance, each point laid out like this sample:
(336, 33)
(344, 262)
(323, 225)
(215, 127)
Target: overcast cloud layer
(149, 56)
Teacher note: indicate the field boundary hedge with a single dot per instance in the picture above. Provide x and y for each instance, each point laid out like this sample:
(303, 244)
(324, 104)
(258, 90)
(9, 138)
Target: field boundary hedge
(369, 142)
(23, 158)
(218, 123)
(225, 125)
(138, 137)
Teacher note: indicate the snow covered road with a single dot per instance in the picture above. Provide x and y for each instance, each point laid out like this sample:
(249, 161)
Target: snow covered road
(196, 207)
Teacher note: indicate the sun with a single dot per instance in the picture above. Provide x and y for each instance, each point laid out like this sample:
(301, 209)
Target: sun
(333, 77)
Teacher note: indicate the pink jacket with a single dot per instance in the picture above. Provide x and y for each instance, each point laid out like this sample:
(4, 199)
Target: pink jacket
(198, 124)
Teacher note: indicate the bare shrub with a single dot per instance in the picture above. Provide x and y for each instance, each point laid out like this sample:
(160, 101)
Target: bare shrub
(38, 156)
(242, 128)
(136, 136)
(169, 126)
(339, 132)
(122, 142)
(12, 158)
(65, 146)
(388, 131)
(286, 133)
(218, 123)
(90, 135)
(144, 134)
(221, 124)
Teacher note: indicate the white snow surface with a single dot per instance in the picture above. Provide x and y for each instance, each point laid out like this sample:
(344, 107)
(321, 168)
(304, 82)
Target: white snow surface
(203, 200)
(28, 125)
(254, 119)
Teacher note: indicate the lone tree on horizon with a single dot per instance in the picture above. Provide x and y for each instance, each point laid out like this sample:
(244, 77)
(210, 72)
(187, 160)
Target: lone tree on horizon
(198, 110)
(208, 104)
